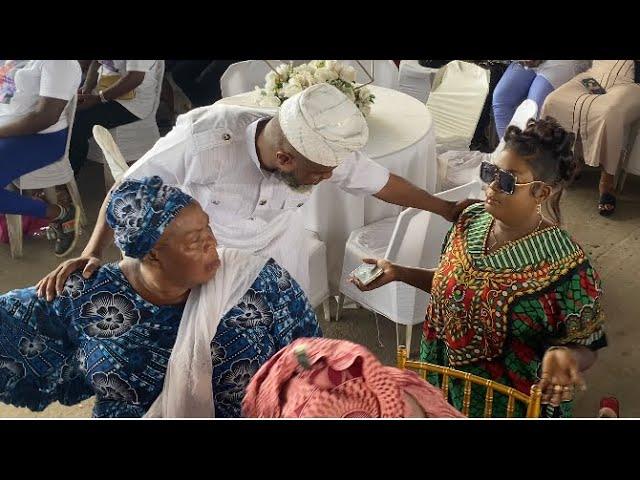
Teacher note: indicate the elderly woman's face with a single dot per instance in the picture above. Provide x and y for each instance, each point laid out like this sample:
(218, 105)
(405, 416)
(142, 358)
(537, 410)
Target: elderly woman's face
(187, 249)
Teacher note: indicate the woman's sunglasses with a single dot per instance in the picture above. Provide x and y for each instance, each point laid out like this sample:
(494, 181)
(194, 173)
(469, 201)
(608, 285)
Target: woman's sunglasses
(506, 181)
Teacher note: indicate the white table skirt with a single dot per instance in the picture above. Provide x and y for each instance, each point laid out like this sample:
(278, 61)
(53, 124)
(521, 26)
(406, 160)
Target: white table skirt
(401, 138)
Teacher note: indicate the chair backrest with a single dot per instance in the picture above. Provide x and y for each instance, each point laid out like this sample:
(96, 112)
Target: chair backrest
(112, 154)
(531, 401)
(385, 72)
(242, 77)
(526, 110)
(456, 100)
(57, 173)
(418, 235)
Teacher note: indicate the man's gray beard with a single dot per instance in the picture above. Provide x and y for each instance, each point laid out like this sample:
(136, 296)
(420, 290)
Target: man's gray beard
(290, 180)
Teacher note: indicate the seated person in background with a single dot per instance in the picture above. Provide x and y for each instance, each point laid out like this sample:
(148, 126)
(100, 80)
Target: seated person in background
(515, 299)
(326, 378)
(601, 121)
(199, 80)
(176, 322)
(34, 97)
(529, 79)
(115, 92)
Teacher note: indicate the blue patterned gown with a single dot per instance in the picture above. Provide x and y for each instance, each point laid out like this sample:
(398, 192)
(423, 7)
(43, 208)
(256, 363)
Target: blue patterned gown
(101, 338)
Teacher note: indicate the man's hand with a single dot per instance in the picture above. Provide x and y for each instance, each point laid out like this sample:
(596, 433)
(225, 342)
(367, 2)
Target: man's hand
(457, 207)
(87, 101)
(53, 283)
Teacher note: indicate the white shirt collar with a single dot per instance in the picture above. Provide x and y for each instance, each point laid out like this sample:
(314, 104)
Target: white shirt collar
(250, 136)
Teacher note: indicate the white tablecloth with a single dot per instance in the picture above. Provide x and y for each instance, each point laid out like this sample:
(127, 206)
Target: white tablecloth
(416, 80)
(401, 138)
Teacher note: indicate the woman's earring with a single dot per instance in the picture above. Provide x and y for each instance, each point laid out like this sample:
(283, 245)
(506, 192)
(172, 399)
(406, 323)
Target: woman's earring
(539, 209)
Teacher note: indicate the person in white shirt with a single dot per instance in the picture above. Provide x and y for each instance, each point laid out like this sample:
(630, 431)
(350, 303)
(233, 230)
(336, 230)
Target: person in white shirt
(115, 92)
(34, 106)
(251, 172)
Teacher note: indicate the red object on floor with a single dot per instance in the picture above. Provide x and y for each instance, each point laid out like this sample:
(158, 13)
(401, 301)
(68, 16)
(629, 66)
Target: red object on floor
(30, 226)
(612, 403)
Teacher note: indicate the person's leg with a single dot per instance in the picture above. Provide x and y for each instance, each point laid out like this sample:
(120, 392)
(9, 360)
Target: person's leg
(209, 82)
(108, 115)
(24, 154)
(511, 90)
(185, 74)
(483, 137)
(539, 90)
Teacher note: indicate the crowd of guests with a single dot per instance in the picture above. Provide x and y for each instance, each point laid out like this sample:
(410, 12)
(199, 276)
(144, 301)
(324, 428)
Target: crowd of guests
(183, 326)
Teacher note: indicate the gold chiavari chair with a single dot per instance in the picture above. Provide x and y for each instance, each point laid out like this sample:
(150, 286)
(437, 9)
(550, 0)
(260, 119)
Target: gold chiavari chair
(532, 401)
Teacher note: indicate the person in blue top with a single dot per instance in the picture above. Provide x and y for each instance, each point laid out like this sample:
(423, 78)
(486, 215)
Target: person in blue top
(112, 335)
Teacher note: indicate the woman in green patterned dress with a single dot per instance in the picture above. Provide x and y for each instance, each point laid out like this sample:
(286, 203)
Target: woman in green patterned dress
(515, 298)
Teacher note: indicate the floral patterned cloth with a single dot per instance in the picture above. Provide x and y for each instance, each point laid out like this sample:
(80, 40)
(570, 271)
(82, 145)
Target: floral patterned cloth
(139, 211)
(101, 338)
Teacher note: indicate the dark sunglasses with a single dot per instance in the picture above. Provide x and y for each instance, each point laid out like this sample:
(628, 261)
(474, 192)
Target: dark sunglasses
(506, 181)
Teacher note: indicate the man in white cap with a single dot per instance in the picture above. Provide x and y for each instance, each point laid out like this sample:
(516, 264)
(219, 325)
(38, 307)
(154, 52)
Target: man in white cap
(251, 172)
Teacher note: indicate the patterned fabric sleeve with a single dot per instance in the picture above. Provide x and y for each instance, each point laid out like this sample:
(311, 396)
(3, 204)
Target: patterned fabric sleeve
(38, 361)
(573, 310)
(274, 312)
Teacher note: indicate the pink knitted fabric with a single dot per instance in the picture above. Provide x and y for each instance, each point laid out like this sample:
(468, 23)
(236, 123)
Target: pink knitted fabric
(345, 380)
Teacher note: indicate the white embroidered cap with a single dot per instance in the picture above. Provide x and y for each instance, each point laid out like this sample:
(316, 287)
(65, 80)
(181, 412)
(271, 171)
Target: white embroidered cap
(323, 124)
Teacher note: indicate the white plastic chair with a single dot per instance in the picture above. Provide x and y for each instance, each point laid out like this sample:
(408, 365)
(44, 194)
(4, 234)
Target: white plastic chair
(456, 168)
(318, 282)
(413, 239)
(456, 100)
(416, 80)
(242, 77)
(135, 138)
(47, 178)
(525, 111)
(114, 159)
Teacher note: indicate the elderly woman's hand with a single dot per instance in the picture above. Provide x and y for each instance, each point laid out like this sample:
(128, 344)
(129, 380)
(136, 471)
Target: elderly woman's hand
(390, 273)
(560, 375)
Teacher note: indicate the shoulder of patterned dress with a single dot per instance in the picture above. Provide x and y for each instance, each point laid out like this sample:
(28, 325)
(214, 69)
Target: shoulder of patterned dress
(560, 245)
(473, 214)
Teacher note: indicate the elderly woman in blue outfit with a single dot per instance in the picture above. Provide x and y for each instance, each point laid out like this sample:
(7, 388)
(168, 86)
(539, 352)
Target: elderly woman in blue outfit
(143, 334)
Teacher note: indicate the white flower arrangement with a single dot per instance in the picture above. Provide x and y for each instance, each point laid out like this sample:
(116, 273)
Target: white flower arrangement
(288, 80)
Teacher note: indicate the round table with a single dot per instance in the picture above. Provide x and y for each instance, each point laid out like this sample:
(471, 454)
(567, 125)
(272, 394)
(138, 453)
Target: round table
(402, 139)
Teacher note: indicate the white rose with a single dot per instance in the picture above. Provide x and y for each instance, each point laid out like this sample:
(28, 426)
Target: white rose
(307, 79)
(349, 93)
(291, 88)
(271, 77)
(325, 75)
(297, 79)
(334, 66)
(365, 109)
(305, 67)
(348, 73)
(363, 94)
(284, 71)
